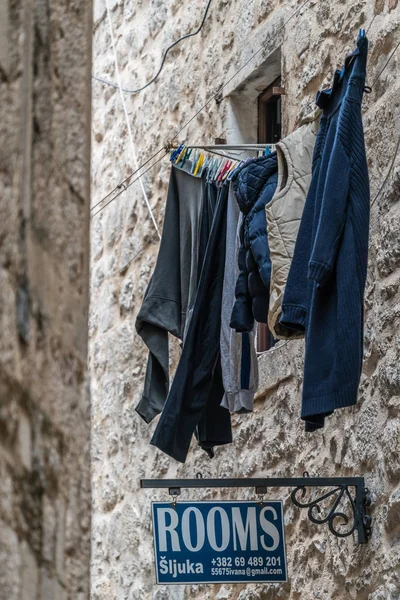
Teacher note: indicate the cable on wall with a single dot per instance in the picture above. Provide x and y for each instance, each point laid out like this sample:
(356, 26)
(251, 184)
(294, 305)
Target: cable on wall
(127, 117)
(184, 37)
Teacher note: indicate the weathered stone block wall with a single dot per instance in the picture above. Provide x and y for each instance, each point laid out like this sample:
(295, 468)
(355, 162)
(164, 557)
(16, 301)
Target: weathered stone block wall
(45, 61)
(361, 440)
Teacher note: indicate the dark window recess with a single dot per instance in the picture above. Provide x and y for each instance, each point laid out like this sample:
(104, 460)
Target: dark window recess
(269, 132)
(269, 114)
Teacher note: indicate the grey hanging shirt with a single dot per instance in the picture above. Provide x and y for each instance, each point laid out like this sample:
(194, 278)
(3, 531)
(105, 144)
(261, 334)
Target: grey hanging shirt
(172, 288)
(238, 355)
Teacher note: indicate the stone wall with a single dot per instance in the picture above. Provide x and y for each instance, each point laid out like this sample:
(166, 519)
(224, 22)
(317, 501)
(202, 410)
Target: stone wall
(45, 61)
(271, 442)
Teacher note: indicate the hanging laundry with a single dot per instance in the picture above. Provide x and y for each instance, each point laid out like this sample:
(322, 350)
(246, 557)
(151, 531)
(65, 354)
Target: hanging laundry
(172, 288)
(184, 298)
(194, 400)
(254, 184)
(325, 287)
(238, 355)
(285, 210)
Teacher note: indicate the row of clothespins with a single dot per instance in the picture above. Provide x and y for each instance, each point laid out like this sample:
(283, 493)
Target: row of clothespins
(219, 168)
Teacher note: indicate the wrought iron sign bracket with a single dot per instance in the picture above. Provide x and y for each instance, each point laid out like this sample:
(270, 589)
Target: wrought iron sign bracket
(345, 493)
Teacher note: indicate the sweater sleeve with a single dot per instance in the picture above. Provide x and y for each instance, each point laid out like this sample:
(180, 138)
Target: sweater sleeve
(332, 216)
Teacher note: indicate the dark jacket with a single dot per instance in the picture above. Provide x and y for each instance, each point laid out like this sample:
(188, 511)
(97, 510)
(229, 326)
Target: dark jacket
(325, 287)
(254, 185)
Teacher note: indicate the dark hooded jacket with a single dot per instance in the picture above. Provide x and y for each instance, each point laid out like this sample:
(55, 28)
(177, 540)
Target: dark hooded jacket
(254, 184)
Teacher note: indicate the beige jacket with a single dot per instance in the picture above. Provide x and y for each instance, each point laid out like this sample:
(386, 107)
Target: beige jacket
(285, 210)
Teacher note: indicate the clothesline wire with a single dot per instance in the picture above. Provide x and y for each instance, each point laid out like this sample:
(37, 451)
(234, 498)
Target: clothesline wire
(166, 152)
(386, 64)
(388, 172)
(370, 25)
(392, 162)
(219, 90)
(214, 95)
(129, 184)
(198, 112)
(183, 37)
(372, 203)
(121, 185)
(128, 125)
(208, 148)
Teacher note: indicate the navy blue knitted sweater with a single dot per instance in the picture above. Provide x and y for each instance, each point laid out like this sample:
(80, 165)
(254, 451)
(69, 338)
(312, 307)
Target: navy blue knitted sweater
(325, 287)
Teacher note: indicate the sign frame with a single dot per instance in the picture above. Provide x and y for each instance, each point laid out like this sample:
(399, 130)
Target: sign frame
(219, 503)
(352, 488)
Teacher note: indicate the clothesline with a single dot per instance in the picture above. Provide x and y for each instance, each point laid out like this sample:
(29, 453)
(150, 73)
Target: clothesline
(128, 125)
(385, 179)
(222, 149)
(121, 187)
(213, 95)
(229, 146)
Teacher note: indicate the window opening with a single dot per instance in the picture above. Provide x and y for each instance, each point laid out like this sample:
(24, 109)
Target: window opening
(269, 132)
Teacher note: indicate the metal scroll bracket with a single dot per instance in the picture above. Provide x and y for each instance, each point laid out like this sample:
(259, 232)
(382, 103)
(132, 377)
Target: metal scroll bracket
(343, 506)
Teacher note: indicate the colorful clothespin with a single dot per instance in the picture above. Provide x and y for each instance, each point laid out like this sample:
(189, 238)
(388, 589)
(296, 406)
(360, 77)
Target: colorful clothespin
(194, 161)
(206, 164)
(210, 169)
(199, 163)
(224, 170)
(232, 170)
(187, 155)
(176, 152)
(180, 155)
(228, 170)
(219, 170)
(215, 168)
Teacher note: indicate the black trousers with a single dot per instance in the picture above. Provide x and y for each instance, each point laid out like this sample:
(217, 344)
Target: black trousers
(196, 392)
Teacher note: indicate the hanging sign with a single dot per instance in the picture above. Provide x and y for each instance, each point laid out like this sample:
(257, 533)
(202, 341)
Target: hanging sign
(219, 542)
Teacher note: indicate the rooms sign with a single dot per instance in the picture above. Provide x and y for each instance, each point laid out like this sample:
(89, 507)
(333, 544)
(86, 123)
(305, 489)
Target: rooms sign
(219, 542)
